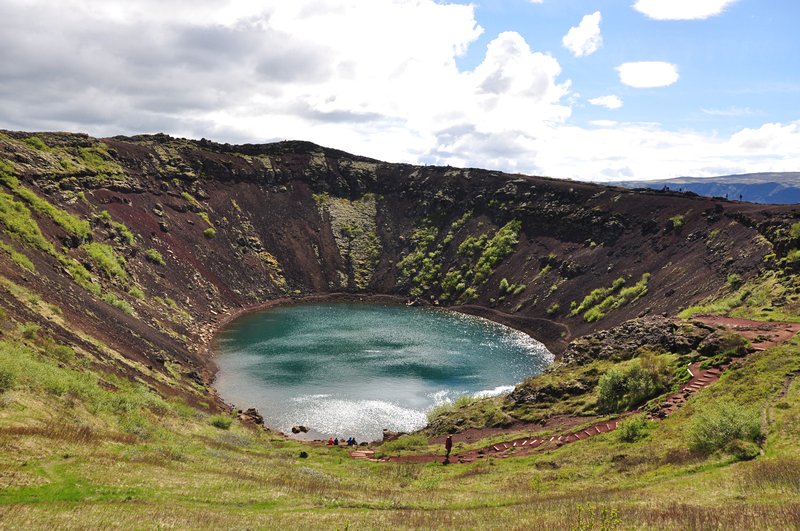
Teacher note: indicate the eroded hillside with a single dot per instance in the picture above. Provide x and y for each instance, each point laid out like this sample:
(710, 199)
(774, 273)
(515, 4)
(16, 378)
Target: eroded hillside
(132, 250)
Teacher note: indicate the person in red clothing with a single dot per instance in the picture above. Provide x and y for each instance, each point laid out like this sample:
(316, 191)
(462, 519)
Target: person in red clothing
(330, 441)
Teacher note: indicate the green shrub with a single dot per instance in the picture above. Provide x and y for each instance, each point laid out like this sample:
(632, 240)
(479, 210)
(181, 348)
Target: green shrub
(118, 303)
(136, 292)
(29, 330)
(600, 301)
(210, 233)
(504, 285)
(633, 428)
(222, 422)
(6, 380)
(19, 221)
(105, 258)
(449, 407)
(62, 353)
(675, 223)
(724, 426)
(79, 274)
(794, 230)
(70, 223)
(154, 256)
(734, 280)
(643, 379)
(497, 249)
(18, 258)
(36, 143)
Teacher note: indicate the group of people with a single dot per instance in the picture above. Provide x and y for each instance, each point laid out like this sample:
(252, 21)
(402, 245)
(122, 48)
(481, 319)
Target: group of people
(334, 441)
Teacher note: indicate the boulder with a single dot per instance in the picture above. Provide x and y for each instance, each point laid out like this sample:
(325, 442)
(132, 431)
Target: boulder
(252, 415)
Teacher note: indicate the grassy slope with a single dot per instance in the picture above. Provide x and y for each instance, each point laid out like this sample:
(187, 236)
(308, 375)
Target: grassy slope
(82, 456)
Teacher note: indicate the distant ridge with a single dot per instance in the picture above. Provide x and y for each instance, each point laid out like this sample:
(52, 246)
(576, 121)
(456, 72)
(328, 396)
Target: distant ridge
(768, 188)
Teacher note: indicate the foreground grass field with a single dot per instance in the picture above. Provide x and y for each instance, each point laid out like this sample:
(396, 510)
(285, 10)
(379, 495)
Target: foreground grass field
(80, 456)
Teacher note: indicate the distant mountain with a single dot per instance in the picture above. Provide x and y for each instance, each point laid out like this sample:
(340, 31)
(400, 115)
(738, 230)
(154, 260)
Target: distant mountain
(770, 188)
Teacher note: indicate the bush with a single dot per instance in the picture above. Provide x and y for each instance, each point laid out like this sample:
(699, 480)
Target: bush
(107, 260)
(118, 303)
(675, 223)
(725, 426)
(503, 285)
(734, 280)
(633, 428)
(794, 230)
(154, 256)
(29, 330)
(210, 233)
(645, 378)
(222, 422)
(6, 380)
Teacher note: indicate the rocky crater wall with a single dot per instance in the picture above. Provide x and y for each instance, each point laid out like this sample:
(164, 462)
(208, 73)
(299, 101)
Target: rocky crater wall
(141, 246)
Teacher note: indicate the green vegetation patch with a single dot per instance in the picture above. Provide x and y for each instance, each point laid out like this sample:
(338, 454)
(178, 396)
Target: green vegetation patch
(152, 255)
(18, 258)
(726, 427)
(600, 301)
(120, 230)
(421, 266)
(354, 227)
(70, 223)
(107, 260)
(643, 378)
(19, 222)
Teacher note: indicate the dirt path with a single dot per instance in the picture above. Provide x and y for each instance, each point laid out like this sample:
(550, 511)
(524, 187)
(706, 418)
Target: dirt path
(762, 335)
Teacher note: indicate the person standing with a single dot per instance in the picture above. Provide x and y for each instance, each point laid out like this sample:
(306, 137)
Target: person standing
(448, 446)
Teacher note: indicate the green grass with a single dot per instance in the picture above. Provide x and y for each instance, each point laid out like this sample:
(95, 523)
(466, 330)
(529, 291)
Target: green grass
(107, 260)
(601, 301)
(18, 221)
(69, 222)
(118, 303)
(18, 258)
(126, 456)
(151, 255)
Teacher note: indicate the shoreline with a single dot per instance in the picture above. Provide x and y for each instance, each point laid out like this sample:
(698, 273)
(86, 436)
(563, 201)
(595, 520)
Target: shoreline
(555, 334)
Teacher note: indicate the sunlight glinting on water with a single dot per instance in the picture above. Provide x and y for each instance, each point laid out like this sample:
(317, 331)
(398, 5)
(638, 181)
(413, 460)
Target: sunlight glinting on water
(357, 369)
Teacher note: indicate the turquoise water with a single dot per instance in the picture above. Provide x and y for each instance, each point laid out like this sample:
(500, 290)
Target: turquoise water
(351, 369)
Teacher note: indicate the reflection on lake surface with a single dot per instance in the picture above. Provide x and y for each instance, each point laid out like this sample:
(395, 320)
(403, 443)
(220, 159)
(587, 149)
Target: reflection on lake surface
(351, 369)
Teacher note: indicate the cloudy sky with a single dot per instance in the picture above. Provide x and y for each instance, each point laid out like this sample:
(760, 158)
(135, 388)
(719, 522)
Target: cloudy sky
(582, 89)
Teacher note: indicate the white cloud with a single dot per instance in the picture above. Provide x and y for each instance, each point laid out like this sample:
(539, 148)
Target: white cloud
(585, 38)
(239, 72)
(769, 138)
(648, 74)
(609, 102)
(681, 9)
(729, 112)
(618, 151)
(604, 123)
